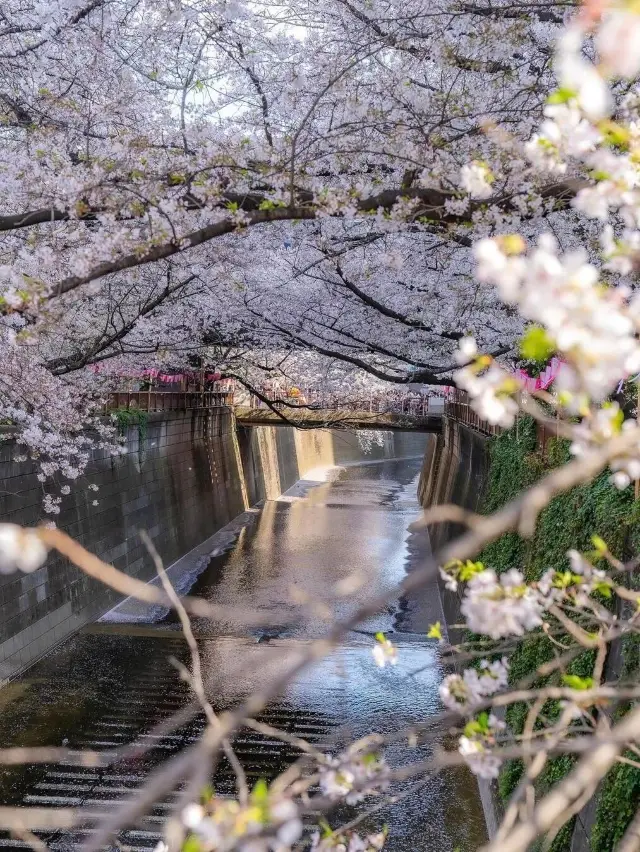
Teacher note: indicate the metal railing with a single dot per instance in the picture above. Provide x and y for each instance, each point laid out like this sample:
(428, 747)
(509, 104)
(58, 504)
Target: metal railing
(417, 406)
(460, 410)
(167, 400)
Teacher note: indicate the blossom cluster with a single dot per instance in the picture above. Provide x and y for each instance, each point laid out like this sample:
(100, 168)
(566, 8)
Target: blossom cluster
(384, 651)
(353, 777)
(477, 179)
(456, 571)
(463, 692)
(506, 605)
(262, 825)
(501, 606)
(593, 328)
(576, 584)
(20, 549)
(477, 745)
(592, 325)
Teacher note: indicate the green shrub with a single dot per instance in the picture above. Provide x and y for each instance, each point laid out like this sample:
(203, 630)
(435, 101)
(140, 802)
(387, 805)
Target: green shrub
(127, 417)
(618, 802)
(567, 522)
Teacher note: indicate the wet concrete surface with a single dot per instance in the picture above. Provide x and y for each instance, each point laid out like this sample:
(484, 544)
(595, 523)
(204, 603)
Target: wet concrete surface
(113, 682)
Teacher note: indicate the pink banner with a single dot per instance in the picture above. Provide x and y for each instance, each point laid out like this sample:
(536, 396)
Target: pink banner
(168, 378)
(544, 380)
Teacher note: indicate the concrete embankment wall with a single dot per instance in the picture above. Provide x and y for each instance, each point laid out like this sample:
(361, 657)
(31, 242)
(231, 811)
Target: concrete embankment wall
(182, 477)
(454, 471)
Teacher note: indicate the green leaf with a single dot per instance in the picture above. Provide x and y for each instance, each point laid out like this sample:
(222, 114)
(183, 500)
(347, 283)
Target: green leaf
(479, 725)
(325, 828)
(207, 793)
(469, 569)
(615, 134)
(598, 174)
(599, 543)
(576, 682)
(536, 345)
(435, 631)
(561, 96)
(191, 844)
(603, 587)
(260, 792)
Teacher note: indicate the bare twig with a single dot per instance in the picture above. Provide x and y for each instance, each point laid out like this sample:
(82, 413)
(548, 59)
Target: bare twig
(196, 681)
(572, 790)
(30, 819)
(94, 567)
(447, 512)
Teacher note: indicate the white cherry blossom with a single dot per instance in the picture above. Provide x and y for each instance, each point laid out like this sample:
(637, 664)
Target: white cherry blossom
(504, 606)
(617, 40)
(353, 777)
(20, 549)
(578, 75)
(476, 179)
(384, 652)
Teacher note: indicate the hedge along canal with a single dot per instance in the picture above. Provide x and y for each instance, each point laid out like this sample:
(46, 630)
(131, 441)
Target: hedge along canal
(568, 522)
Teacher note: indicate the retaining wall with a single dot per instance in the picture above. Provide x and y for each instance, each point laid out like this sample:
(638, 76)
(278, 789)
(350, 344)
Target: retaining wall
(454, 471)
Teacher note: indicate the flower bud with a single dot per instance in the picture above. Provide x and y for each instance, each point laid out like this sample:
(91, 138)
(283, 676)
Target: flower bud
(20, 549)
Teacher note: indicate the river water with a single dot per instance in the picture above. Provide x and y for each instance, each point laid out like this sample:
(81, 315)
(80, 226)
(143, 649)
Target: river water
(112, 682)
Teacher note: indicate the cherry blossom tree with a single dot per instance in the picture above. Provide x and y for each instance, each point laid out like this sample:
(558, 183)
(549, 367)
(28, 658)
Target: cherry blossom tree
(393, 187)
(157, 153)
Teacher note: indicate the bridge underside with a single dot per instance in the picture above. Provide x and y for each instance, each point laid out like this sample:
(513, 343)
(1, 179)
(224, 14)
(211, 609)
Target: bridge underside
(309, 418)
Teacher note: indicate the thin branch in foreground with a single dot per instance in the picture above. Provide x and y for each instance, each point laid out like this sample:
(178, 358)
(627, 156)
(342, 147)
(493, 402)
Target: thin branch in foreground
(196, 682)
(572, 790)
(93, 566)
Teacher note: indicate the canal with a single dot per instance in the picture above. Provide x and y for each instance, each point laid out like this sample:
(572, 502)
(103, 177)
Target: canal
(115, 680)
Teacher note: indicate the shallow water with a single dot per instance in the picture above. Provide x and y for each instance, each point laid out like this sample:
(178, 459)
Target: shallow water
(111, 683)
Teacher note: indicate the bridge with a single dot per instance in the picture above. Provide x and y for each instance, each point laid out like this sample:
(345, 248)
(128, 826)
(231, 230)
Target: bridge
(388, 412)
(335, 418)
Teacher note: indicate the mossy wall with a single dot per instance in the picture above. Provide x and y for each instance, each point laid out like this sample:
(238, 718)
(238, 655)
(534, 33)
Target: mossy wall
(568, 522)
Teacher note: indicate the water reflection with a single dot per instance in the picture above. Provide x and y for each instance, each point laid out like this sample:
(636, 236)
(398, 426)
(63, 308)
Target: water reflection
(110, 684)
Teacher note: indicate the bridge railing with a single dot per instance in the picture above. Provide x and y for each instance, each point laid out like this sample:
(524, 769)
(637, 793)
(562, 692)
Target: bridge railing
(414, 405)
(458, 408)
(163, 400)
(167, 400)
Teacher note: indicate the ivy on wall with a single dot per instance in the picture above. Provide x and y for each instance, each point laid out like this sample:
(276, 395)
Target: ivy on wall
(568, 522)
(126, 417)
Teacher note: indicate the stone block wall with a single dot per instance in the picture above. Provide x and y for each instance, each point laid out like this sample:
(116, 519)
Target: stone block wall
(454, 471)
(178, 480)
